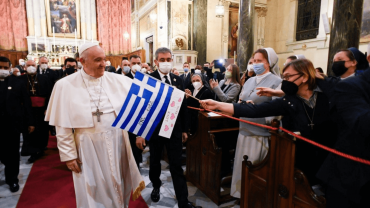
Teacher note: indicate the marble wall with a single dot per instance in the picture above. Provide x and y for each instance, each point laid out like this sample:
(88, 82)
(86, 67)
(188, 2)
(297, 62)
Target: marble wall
(201, 36)
(113, 22)
(13, 24)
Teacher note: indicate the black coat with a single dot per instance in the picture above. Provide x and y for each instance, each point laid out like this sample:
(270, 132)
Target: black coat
(17, 103)
(308, 157)
(203, 94)
(53, 76)
(351, 105)
(119, 71)
(129, 75)
(44, 86)
(187, 80)
(181, 124)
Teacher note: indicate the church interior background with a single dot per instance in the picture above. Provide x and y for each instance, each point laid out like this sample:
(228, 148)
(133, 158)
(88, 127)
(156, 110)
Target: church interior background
(197, 31)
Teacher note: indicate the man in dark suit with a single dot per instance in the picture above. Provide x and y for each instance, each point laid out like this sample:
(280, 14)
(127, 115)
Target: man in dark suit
(15, 109)
(125, 67)
(39, 88)
(44, 69)
(138, 153)
(174, 144)
(186, 77)
(349, 181)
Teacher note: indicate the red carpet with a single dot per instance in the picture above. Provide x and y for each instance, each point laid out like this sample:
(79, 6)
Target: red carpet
(50, 184)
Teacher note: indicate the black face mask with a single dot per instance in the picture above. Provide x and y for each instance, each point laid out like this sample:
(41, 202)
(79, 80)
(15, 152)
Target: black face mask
(339, 68)
(289, 88)
(70, 70)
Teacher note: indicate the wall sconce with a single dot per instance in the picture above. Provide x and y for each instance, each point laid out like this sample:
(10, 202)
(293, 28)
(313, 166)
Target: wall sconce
(126, 35)
(153, 17)
(220, 10)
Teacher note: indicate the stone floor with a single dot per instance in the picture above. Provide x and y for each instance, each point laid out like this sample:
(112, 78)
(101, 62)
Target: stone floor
(168, 198)
(7, 198)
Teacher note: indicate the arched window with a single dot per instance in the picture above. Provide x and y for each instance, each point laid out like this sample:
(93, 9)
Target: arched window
(308, 19)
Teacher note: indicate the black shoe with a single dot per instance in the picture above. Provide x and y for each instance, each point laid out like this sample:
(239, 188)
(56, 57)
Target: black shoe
(190, 205)
(52, 132)
(33, 158)
(14, 187)
(155, 195)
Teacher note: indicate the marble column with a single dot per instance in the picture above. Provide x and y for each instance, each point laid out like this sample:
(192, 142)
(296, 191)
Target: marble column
(200, 30)
(245, 38)
(346, 27)
(261, 14)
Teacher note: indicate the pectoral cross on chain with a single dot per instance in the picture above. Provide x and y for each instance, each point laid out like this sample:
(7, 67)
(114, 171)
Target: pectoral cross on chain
(33, 91)
(250, 93)
(311, 125)
(98, 114)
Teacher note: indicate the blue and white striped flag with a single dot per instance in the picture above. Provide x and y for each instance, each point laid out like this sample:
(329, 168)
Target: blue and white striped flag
(145, 105)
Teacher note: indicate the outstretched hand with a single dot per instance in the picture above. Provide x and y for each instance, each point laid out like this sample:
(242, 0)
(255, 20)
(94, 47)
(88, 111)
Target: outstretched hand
(268, 92)
(187, 93)
(213, 83)
(209, 104)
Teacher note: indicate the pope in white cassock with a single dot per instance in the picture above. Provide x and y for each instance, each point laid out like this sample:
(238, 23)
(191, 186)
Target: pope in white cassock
(83, 107)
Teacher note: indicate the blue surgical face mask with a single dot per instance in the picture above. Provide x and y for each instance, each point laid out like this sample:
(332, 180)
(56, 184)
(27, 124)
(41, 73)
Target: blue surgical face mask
(186, 69)
(126, 69)
(258, 68)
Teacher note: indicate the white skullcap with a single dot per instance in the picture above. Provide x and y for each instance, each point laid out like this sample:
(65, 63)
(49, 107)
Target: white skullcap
(86, 46)
(300, 56)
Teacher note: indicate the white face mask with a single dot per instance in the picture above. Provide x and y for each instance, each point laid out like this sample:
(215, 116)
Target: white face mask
(197, 85)
(4, 73)
(197, 71)
(165, 67)
(143, 70)
(22, 63)
(135, 68)
(31, 70)
(250, 67)
(18, 74)
(126, 69)
(43, 66)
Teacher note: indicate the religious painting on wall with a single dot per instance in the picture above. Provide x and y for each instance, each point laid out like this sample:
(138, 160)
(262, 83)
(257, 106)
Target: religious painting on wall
(233, 31)
(365, 31)
(63, 18)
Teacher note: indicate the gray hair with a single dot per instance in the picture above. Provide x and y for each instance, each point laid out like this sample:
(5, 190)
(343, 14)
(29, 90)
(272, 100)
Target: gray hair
(162, 50)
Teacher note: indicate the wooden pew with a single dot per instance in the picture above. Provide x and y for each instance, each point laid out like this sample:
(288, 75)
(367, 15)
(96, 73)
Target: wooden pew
(204, 155)
(275, 183)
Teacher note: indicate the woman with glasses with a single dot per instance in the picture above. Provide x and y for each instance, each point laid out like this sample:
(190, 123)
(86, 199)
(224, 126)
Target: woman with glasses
(305, 104)
(253, 140)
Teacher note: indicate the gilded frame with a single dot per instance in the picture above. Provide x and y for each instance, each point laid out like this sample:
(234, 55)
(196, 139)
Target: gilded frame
(365, 26)
(63, 9)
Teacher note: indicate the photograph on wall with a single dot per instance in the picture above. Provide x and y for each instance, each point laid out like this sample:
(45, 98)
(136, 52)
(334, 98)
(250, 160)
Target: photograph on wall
(233, 31)
(179, 59)
(365, 31)
(64, 17)
(40, 47)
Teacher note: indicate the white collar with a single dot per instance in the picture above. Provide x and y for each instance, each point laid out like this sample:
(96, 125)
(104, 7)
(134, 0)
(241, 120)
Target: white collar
(133, 75)
(352, 75)
(88, 77)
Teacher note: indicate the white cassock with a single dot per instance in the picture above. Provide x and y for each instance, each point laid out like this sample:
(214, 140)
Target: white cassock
(109, 172)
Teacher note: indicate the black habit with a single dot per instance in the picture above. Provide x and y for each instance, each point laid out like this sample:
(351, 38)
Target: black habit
(308, 158)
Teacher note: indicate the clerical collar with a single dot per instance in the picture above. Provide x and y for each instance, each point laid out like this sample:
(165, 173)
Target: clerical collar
(133, 75)
(88, 77)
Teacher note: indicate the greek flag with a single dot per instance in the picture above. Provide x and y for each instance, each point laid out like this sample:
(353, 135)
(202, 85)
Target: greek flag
(145, 105)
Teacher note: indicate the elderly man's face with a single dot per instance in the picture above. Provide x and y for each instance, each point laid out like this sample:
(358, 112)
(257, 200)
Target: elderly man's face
(94, 61)
(43, 60)
(30, 63)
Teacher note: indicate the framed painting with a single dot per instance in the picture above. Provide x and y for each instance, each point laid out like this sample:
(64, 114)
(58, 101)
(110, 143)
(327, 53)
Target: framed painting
(365, 29)
(233, 31)
(64, 17)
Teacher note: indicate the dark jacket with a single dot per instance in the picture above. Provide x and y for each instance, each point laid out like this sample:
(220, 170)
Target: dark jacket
(53, 76)
(351, 105)
(203, 94)
(308, 157)
(18, 109)
(119, 71)
(130, 75)
(181, 124)
(187, 80)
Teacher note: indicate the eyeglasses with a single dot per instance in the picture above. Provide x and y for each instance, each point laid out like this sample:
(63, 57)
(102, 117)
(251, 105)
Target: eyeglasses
(287, 77)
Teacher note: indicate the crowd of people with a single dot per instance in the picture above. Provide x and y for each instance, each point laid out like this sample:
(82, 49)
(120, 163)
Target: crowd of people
(333, 111)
